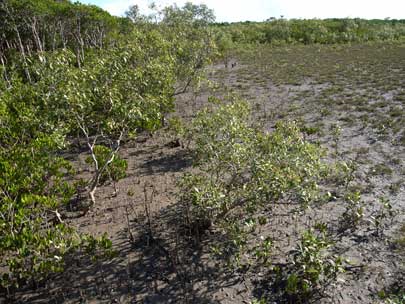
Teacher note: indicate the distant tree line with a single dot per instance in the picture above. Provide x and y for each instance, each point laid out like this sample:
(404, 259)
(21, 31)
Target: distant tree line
(307, 31)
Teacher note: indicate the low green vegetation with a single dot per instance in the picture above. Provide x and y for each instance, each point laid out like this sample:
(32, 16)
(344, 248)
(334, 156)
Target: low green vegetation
(242, 175)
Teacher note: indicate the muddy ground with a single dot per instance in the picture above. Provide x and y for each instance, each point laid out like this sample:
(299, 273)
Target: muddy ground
(357, 89)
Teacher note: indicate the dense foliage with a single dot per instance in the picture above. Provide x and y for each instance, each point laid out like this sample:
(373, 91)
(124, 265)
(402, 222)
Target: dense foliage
(327, 31)
(73, 74)
(46, 25)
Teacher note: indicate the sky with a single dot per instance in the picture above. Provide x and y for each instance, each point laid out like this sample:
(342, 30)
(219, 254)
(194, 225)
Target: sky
(260, 10)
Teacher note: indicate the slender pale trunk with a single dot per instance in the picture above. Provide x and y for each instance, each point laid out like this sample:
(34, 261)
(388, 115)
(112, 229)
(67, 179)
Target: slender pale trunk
(91, 144)
(100, 171)
(5, 70)
(22, 50)
(35, 33)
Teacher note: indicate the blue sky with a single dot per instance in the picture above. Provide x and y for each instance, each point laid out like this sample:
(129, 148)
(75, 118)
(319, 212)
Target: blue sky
(259, 10)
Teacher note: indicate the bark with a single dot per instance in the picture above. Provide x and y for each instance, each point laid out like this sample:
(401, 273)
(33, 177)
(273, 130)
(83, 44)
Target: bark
(91, 143)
